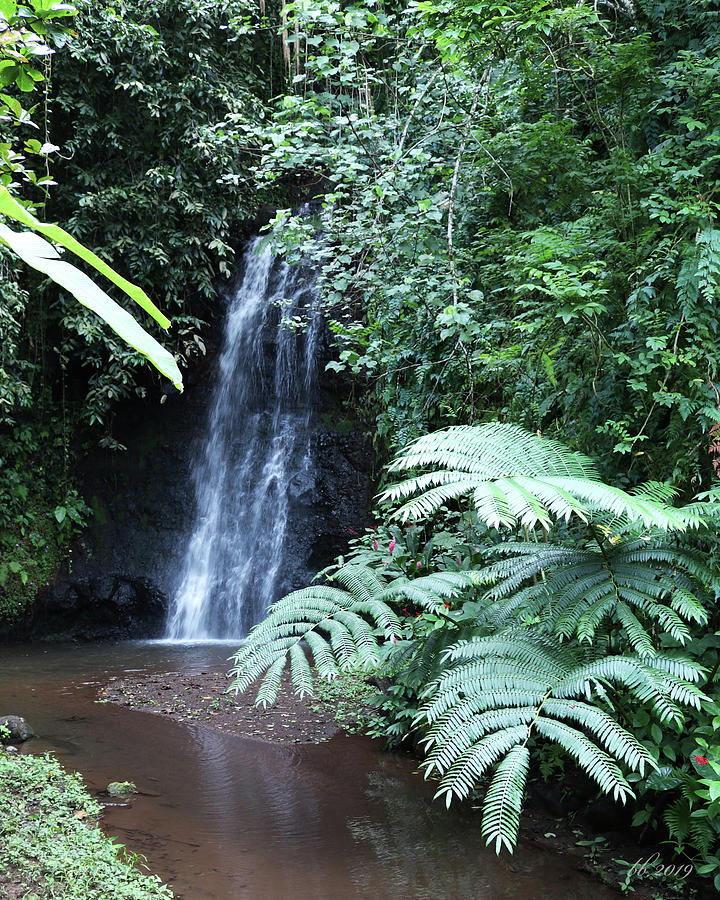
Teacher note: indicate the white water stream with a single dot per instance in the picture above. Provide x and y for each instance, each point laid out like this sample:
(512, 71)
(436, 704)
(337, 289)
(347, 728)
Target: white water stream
(257, 441)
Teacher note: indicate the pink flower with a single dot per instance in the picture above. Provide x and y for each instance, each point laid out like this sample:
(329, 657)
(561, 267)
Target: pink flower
(393, 639)
(419, 565)
(392, 546)
(375, 544)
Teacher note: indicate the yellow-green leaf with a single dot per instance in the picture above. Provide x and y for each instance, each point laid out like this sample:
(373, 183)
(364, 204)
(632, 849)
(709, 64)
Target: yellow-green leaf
(41, 255)
(9, 206)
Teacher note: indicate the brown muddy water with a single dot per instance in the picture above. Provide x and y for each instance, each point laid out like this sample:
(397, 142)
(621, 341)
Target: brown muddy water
(232, 818)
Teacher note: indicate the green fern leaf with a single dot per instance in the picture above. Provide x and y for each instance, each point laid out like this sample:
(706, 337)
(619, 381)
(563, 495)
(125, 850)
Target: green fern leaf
(503, 801)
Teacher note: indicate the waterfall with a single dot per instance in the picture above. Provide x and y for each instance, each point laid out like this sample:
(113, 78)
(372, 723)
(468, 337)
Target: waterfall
(257, 443)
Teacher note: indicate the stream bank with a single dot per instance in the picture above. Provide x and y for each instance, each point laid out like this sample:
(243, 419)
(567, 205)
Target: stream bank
(201, 699)
(51, 842)
(220, 816)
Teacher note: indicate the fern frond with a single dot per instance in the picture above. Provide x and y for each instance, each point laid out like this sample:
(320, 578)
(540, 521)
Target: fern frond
(428, 591)
(497, 691)
(678, 819)
(516, 477)
(593, 761)
(338, 627)
(422, 659)
(470, 766)
(361, 581)
(503, 801)
(449, 746)
(300, 670)
(323, 656)
(643, 583)
(492, 450)
(618, 742)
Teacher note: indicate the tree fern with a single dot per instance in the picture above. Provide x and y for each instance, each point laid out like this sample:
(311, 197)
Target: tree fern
(342, 627)
(514, 478)
(557, 630)
(498, 693)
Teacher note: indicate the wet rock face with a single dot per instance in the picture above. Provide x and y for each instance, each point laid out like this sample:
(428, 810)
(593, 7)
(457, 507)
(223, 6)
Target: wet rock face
(126, 567)
(104, 607)
(330, 508)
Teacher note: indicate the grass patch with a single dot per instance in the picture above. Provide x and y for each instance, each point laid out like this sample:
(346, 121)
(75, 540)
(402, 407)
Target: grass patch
(51, 843)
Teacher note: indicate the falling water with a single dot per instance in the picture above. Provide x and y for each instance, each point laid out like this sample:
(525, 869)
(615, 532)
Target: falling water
(258, 442)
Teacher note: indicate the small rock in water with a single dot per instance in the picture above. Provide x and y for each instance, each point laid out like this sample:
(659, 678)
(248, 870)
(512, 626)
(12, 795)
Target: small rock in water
(14, 728)
(118, 788)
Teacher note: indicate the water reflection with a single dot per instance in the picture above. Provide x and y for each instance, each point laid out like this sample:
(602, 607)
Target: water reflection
(223, 817)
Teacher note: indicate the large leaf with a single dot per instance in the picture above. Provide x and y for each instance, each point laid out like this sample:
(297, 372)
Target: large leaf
(10, 207)
(648, 584)
(518, 478)
(41, 255)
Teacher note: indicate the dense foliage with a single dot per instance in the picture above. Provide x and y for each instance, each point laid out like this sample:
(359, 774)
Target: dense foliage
(518, 216)
(518, 222)
(515, 222)
(27, 34)
(150, 178)
(52, 845)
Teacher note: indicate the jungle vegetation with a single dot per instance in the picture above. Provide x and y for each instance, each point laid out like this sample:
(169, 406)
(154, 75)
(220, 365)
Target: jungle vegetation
(52, 844)
(514, 232)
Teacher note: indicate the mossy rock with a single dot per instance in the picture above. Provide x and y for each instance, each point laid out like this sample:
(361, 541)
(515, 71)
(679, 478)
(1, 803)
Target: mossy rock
(118, 788)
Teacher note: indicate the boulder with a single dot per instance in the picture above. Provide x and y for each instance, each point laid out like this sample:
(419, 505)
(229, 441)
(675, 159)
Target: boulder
(118, 788)
(14, 730)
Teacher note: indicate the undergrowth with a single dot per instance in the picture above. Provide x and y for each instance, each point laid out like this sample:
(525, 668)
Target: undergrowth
(51, 843)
